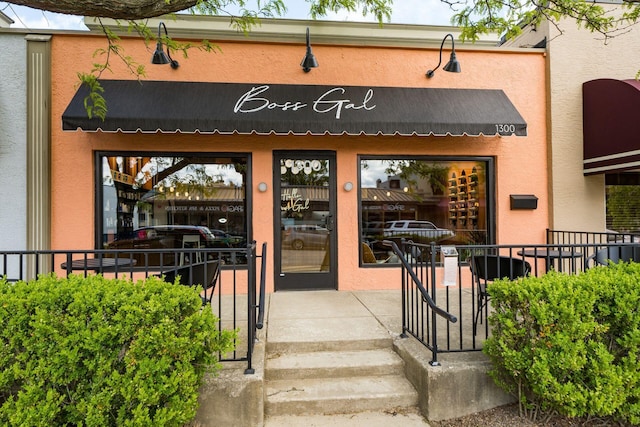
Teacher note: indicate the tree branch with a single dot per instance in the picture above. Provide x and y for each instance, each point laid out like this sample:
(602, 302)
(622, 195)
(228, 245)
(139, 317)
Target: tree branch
(116, 9)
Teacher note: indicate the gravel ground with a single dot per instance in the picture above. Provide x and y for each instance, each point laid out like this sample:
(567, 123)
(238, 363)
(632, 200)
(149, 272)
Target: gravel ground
(508, 416)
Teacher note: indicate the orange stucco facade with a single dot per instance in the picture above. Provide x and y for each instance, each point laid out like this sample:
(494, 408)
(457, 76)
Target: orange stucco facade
(520, 162)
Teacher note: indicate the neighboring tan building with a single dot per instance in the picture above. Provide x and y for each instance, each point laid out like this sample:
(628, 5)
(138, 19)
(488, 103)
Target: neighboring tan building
(584, 160)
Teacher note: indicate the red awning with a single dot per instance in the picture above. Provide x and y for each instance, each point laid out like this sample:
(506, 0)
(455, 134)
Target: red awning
(611, 125)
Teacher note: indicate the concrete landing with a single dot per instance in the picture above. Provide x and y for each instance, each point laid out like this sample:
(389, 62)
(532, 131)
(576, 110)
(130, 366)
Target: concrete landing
(322, 321)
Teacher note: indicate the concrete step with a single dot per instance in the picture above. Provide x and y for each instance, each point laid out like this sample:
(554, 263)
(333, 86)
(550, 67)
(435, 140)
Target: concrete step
(281, 347)
(338, 395)
(333, 364)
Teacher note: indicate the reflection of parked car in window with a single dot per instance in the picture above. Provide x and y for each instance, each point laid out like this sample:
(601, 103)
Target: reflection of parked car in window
(305, 237)
(223, 239)
(419, 231)
(174, 237)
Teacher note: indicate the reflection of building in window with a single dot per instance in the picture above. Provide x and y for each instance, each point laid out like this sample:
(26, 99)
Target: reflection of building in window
(146, 191)
(450, 194)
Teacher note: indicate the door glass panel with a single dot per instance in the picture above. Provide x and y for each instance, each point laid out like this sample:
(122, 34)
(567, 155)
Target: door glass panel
(305, 219)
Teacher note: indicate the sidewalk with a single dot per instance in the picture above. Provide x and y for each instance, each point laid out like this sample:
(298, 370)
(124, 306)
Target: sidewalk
(344, 315)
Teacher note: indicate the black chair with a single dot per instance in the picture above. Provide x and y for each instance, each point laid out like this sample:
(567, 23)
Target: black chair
(203, 274)
(487, 268)
(615, 254)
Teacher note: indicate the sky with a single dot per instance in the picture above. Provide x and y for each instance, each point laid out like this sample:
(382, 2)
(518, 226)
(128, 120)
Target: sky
(424, 12)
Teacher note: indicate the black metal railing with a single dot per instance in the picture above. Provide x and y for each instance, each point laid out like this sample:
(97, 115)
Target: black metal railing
(234, 293)
(443, 283)
(589, 237)
(419, 310)
(262, 294)
(255, 303)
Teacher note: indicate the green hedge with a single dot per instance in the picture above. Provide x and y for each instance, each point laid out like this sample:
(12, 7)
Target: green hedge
(570, 343)
(102, 352)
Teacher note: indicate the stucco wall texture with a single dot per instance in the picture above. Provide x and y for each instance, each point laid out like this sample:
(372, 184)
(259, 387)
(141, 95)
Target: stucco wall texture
(13, 143)
(575, 57)
(521, 162)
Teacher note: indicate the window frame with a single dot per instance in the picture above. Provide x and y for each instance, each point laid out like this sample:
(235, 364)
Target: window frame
(490, 177)
(99, 194)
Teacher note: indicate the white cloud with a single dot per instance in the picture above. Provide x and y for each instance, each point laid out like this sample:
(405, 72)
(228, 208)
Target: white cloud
(376, 169)
(423, 12)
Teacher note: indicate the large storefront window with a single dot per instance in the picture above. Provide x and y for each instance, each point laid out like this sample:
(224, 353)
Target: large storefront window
(423, 200)
(173, 202)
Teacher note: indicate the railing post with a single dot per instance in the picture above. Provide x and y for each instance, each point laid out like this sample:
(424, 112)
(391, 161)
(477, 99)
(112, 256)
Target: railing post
(434, 316)
(404, 293)
(69, 258)
(251, 310)
(263, 278)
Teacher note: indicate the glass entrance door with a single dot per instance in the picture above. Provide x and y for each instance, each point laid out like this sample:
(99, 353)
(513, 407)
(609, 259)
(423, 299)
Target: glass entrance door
(305, 190)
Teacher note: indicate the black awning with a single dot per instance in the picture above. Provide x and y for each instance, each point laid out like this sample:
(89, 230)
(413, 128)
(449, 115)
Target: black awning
(190, 107)
(611, 128)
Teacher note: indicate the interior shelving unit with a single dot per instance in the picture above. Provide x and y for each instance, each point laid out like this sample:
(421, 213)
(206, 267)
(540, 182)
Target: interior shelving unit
(463, 200)
(127, 199)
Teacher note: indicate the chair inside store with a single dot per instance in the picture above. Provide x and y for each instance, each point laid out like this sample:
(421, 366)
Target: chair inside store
(190, 242)
(486, 269)
(368, 257)
(203, 274)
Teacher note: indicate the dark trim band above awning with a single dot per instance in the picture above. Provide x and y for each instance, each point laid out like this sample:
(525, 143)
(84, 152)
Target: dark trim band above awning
(191, 107)
(611, 129)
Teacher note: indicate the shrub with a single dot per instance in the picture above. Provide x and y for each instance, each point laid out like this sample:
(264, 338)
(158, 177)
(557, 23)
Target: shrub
(570, 344)
(100, 352)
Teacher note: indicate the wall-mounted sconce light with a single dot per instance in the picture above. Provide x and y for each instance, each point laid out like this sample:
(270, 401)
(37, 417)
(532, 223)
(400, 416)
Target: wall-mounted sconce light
(348, 186)
(262, 187)
(453, 66)
(159, 56)
(309, 61)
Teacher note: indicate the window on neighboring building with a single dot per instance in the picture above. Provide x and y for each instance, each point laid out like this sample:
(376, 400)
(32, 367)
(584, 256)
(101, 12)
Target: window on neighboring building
(425, 200)
(623, 208)
(163, 198)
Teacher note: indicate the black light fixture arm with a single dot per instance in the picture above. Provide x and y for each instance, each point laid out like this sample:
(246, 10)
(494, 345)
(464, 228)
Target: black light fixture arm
(173, 62)
(430, 73)
(309, 61)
